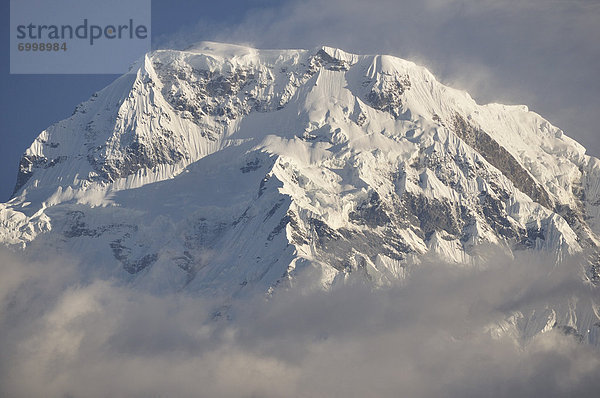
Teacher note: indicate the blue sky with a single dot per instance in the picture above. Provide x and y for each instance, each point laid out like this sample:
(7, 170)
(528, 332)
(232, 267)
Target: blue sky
(543, 53)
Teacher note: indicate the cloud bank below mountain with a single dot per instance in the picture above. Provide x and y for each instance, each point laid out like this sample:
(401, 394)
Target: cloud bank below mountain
(426, 336)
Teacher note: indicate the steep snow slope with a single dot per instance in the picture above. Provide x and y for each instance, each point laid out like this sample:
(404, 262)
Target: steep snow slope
(226, 169)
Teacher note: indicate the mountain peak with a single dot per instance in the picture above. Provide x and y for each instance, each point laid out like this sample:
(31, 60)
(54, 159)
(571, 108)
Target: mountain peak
(296, 158)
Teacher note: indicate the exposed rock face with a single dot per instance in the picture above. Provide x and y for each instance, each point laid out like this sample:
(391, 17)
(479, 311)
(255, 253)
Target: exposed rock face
(386, 95)
(501, 159)
(324, 60)
(26, 166)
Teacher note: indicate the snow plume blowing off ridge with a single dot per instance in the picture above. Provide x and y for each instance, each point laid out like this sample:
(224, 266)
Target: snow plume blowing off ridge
(449, 332)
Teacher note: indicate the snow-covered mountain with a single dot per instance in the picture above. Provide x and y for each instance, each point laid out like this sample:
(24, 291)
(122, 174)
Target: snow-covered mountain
(226, 169)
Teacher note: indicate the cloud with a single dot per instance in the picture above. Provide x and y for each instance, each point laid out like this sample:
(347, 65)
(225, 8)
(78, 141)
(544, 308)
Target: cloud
(542, 53)
(427, 336)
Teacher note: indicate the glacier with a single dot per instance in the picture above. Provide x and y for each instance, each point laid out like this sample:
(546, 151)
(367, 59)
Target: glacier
(228, 170)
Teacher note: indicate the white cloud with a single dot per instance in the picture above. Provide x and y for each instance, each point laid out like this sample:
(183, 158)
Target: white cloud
(426, 337)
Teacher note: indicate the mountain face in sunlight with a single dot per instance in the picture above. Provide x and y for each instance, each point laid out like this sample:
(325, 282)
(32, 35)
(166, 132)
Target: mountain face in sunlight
(227, 170)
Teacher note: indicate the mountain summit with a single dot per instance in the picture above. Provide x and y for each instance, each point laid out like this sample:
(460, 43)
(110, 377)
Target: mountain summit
(228, 169)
